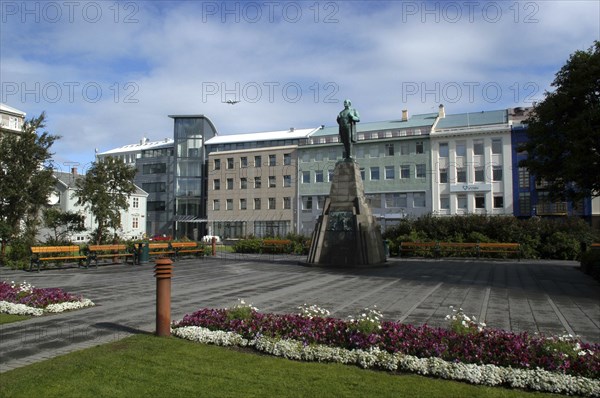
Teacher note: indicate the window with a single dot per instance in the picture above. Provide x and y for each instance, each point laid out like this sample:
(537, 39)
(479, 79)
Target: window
(217, 164)
(243, 161)
(443, 176)
(229, 204)
(420, 171)
(256, 203)
(404, 148)
(135, 222)
(216, 205)
(443, 149)
(154, 168)
(135, 203)
(523, 178)
(333, 153)
(498, 202)
(230, 183)
(243, 183)
(497, 146)
(329, 175)
(477, 147)
(319, 156)
(272, 182)
(319, 176)
(395, 200)
(405, 171)
(257, 183)
(479, 174)
(154, 187)
(307, 203)
(257, 161)
(360, 152)
(373, 151)
(320, 201)
(390, 172)
(462, 201)
(389, 149)
(362, 173)
(461, 174)
(287, 203)
(419, 147)
(525, 203)
(216, 184)
(272, 160)
(287, 181)
(497, 173)
(243, 204)
(272, 204)
(480, 201)
(444, 202)
(419, 199)
(461, 148)
(374, 173)
(306, 177)
(229, 163)
(156, 205)
(287, 159)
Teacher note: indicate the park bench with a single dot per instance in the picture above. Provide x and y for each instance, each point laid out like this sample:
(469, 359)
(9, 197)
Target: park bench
(95, 252)
(181, 248)
(595, 246)
(55, 254)
(160, 249)
(276, 246)
(442, 249)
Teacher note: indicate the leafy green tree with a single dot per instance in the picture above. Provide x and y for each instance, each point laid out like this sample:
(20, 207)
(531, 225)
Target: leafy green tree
(564, 130)
(105, 191)
(25, 179)
(62, 224)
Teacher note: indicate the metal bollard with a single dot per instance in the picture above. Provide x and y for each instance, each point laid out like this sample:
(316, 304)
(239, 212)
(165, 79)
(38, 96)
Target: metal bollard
(214, 246)
(163, 270)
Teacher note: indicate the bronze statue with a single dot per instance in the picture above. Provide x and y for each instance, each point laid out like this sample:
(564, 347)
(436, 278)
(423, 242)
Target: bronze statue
(347, 121)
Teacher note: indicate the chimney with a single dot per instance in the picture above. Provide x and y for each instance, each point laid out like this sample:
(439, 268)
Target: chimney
(442, 112)
(74, 171)
(404, 115)
(291, 129)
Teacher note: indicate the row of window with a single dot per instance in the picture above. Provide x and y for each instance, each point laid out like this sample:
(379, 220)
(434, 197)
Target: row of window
(374, 151)
(257, 183)
(478, 175)
(257, 204)
(460, 148)
(258, 161)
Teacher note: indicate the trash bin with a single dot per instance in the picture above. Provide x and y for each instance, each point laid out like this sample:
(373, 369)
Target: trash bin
(386, 248)
(144, 253)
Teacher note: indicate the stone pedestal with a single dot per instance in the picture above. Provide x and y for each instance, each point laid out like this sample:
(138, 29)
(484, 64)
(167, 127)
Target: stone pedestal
(346, 234)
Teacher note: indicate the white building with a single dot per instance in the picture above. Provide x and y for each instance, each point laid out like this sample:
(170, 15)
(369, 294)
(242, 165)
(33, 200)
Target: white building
(133, 224)
(11, 119)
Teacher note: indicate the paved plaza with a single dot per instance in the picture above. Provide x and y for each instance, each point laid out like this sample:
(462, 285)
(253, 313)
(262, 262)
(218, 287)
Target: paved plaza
(551, 297)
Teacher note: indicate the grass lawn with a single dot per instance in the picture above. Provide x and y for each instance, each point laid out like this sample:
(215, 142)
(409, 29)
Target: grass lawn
(148, 366)
(7, 318)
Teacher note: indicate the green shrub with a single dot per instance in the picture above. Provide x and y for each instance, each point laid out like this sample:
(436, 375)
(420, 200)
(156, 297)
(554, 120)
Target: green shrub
(590, 263)
(248, 246)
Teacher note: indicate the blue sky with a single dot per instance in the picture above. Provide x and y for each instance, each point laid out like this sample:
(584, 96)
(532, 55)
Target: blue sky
(109, 73)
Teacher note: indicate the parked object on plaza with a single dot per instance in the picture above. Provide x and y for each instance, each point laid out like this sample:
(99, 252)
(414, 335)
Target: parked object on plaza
(209, 238)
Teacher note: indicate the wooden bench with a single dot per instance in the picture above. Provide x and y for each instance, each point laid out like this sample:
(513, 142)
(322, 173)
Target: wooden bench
(160, 249)
(441, 249)
(181, 248)
(276, 246)
(595, 246)
(55, 254)
(94, 252)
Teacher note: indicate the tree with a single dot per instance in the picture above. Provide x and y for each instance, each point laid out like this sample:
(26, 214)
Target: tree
(25, 179)
(62, 224)
(105, 191)
(564, 130)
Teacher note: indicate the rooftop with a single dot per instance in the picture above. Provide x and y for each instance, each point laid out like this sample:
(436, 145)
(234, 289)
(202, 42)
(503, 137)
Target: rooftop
(471, 119)
(144, 144)
(422, 120)
(290, 134)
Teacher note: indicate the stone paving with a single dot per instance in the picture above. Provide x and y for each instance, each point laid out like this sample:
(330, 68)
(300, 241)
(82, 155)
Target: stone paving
(551, 297)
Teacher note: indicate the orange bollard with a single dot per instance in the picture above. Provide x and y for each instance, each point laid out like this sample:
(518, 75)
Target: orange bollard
(214, 246)
(163, 270)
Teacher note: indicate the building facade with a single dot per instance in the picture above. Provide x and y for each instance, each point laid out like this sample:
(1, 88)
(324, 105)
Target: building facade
(394, 160)
(471, 157)
(252, 183)
(132, 219)
(11, 119)
(154, 161)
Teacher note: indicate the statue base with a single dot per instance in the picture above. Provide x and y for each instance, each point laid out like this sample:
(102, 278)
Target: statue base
(346, 234)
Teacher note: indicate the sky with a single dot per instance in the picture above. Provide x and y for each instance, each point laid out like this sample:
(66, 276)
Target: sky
(109, 73)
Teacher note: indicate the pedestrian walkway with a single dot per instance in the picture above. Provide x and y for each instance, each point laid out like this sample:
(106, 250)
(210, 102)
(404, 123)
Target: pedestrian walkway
(550, 297)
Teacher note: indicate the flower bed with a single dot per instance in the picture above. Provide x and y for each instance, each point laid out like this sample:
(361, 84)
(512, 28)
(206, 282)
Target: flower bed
(24, 299)
(467, 351)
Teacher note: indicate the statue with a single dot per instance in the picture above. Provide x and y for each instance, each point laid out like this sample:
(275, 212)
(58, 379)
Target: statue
(347, 120)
